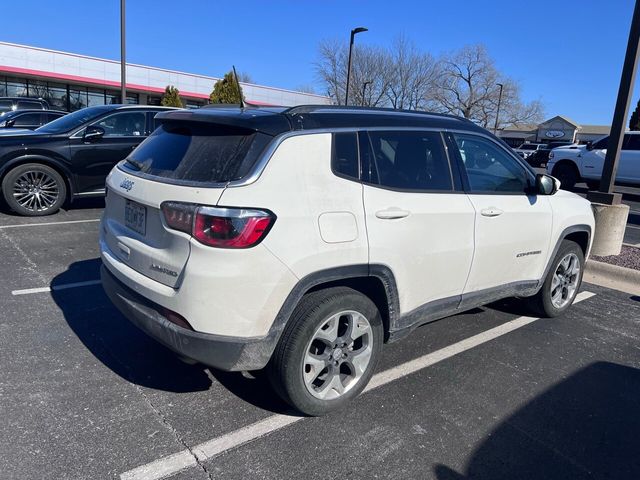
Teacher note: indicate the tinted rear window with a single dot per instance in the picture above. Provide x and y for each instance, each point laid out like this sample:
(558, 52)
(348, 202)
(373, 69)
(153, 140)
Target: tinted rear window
(198, 153)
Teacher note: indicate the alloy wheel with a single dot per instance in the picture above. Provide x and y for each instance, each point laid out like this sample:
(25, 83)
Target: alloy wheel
(564, 283)
(337, 355)
(36, 191)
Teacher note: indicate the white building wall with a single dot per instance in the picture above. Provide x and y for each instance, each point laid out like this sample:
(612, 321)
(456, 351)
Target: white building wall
(18, 60)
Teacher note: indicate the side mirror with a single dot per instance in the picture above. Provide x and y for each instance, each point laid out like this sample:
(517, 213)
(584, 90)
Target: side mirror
(546, 184)
(589, 145)
(93, 133)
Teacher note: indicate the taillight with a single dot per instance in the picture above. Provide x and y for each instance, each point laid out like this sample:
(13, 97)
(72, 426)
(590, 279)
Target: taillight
(219, 227)
(179, 216)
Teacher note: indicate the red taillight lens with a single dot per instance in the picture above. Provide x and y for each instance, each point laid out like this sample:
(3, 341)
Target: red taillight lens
(219, 227)
(179, 216)
(231, 227)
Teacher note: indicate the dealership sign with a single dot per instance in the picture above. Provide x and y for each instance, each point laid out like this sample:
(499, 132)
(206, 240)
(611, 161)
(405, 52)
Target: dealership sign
(554, 134)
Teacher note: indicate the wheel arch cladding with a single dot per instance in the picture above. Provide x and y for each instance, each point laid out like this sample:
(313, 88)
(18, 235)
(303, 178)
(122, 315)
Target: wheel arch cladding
(581, 237)
(374, 281)
(575, 233)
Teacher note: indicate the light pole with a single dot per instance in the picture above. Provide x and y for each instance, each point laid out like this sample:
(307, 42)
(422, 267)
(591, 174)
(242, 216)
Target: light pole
(354, 32)
(495, 127)
(620, 116)
(123, 67)
(364, 89)
(610, 213)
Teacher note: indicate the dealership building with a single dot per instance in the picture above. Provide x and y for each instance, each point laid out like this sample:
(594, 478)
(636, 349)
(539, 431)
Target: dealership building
(558, 128)
(69, 81)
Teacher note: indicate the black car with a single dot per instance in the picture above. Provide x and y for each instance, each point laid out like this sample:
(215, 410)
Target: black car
(8, 104)
(540, 157)
(28, 119)
(69, 157)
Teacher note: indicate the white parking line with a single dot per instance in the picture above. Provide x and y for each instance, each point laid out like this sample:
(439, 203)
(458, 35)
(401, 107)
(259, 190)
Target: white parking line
(63, 286)
(172, 464)
(66, 222)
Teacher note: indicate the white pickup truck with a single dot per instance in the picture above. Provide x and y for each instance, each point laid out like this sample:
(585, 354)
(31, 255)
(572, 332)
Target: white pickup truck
(572, 164)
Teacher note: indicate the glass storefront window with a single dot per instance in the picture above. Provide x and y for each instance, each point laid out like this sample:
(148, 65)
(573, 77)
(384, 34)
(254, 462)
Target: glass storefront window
(16, 88)
(113, 97)
(57, 96)
(95, 97)
(77, 99)
(62, 96)
(37, 89)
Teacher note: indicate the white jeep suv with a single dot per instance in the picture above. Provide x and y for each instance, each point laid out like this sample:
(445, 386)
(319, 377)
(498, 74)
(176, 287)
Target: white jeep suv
(572, 164)
(301, 239)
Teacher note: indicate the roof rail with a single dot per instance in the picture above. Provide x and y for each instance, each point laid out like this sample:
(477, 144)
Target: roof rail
(247, 105)
(301, 109)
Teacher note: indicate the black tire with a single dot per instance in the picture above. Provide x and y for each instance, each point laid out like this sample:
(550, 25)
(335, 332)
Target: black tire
(593, 184)
(287, 367)
(568, 175)
(43, 190)
(542, 303)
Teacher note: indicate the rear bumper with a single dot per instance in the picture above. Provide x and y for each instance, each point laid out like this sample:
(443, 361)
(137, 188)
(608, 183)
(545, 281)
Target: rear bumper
(221, 352)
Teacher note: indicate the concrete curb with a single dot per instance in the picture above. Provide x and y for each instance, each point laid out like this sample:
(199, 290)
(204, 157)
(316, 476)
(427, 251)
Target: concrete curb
(611, 276)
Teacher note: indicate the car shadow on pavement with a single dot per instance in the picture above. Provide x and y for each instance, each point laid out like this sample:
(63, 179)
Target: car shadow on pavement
(512, 306)
(253, 388)
(117, 343)
(587, 426)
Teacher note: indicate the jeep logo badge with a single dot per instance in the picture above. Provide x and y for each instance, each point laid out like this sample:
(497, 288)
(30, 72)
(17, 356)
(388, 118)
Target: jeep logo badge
(127, 184)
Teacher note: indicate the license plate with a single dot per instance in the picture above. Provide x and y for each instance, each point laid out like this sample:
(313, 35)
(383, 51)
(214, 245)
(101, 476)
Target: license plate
(135, 217)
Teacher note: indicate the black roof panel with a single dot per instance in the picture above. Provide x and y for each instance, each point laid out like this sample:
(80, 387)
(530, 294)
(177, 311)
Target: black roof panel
(276, 120)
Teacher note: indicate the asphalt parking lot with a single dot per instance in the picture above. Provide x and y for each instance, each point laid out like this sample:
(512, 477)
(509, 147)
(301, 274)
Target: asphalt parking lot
(489, 393)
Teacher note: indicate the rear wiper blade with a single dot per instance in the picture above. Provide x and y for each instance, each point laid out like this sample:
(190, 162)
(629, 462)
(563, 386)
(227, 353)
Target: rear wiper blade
(133, 163)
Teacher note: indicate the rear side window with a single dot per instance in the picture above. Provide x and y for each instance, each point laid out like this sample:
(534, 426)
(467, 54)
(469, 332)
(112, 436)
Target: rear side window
(28, 120)
(198, 152)
(24, 104)
(52, 116)
(411, 160)
(344, 157)
(631, 142)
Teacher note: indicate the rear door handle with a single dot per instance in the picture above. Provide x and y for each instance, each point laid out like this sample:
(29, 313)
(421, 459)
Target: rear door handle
(491, 212)
(392, 213)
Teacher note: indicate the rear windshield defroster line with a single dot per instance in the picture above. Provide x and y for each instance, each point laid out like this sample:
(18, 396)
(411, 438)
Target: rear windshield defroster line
(192, 152)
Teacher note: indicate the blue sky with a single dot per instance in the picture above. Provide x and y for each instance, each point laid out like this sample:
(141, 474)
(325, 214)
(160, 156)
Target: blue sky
(568, 53)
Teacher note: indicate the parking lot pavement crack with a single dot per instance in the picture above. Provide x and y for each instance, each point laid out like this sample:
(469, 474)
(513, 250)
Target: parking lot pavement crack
(156, 411)
(174, 432)
(32, 266)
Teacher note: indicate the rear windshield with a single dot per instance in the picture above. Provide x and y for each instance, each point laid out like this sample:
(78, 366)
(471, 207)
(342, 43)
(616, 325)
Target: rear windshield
(198, 153)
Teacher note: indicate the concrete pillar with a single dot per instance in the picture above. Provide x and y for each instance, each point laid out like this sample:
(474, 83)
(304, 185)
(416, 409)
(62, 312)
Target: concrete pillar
(611, 222)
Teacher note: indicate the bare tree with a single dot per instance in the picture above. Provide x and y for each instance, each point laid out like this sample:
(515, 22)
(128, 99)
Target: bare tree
(305, 88)
(467, 86)
(245, 77)
(462, 83)
(413, 76)
(369, 64)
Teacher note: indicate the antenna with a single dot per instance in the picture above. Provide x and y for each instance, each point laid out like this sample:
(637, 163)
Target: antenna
(235, 75)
